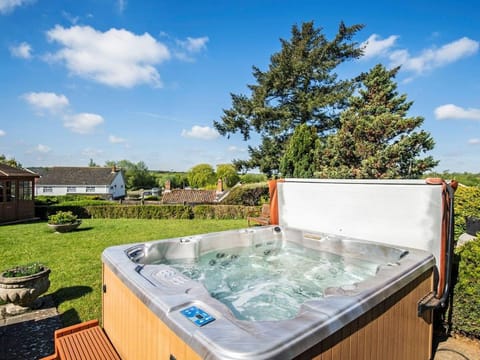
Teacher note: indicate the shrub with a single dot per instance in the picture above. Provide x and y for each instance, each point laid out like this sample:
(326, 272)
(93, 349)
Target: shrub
(78, 210)
(223, 212)
(23, 270)
(466, 301)
(467, 203)
(141, 211)
(62, 217)
(249, 194)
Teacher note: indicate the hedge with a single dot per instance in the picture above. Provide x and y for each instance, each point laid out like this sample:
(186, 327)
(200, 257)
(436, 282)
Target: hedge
(249, 194)
(467, 203)
(466, 298)
(466, 295)
(116, 211)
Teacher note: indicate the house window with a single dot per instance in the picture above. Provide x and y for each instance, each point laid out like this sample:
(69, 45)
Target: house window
(90, 189)
(47, 189)
(25, 190)
(71, 189)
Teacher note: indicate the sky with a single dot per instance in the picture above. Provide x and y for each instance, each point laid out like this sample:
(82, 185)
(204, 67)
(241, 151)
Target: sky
(110, 80)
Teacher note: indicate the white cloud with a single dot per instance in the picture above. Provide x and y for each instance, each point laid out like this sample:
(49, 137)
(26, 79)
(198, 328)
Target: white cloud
(46, 101)
(201, 132)
(7, 6)
(115, 139)
(116, 57)
(83, 123)
(451, 111)
(42, 148)
(374, 46)
(2, 132)
(23, 51)
(190, 46)
(475, 141)
(433, 58)
(194, 45)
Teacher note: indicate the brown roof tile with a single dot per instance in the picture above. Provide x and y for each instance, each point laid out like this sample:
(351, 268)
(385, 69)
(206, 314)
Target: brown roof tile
(6, 170)
(188, 196)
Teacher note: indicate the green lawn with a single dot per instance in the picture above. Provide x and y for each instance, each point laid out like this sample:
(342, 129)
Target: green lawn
(75, 258)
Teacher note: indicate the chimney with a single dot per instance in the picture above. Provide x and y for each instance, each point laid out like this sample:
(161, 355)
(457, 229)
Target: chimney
(114, 168)
(167, 186)
(219, 186)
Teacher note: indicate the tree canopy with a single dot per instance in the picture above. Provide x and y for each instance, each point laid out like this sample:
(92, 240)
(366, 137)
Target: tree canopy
(201, 175)
(301, 153)
(376, 138)
(136, 175)
(299, 87)
(10, 162)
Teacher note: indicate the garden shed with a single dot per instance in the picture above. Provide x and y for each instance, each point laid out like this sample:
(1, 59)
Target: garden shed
(16, 194)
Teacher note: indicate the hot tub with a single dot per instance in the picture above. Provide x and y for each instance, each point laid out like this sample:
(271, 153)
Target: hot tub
(158, 303)
(360, 264)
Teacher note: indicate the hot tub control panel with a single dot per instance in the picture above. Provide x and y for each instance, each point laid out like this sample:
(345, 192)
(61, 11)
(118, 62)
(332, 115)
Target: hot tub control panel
(197, 316)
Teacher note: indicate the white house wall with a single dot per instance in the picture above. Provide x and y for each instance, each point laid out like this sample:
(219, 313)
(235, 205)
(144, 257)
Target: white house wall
(63, 190)
(117, 188)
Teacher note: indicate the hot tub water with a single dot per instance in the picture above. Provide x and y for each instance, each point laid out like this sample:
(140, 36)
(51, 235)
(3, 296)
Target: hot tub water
(267, 282)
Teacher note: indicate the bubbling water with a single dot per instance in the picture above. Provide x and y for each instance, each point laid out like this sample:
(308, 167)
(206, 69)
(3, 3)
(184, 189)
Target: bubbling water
(271, 283)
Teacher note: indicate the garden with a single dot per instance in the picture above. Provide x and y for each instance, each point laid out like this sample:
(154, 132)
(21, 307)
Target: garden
(75, 257)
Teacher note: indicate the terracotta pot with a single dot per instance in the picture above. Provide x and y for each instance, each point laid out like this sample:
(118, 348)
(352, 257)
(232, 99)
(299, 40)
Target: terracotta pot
(62, 228)
(24, 290)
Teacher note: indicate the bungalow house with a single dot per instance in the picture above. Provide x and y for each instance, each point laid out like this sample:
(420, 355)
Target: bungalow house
(192, 196)
(16, 194)
(106, 182)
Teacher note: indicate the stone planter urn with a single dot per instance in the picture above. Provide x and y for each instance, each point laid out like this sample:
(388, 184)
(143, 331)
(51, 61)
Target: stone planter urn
(20, 292)
(62, 228)
(63, 221)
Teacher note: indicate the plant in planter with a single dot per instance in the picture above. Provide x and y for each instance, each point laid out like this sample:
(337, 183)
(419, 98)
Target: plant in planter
(20, 286)
(63, 221)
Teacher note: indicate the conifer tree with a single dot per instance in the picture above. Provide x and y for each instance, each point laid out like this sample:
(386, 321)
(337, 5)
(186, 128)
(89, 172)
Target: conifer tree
(377, 138)
(301, 153)
(299, 87)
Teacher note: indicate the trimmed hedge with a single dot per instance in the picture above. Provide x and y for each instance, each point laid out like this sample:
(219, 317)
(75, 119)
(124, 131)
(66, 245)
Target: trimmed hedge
(249, 194)
(466, 300)
(141, 212)
(467, 203)
(466, 295)
(115, 211)
(223, 211)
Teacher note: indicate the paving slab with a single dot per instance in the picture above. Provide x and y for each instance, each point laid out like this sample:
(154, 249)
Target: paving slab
(30, 335)
(458, 348)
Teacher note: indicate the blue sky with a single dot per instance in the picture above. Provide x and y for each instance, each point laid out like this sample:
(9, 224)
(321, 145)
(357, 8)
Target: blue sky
(144, 80)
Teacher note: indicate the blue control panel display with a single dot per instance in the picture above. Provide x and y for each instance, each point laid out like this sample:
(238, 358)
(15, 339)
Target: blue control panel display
(197, 316)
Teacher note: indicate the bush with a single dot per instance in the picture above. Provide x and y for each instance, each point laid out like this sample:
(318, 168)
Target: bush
(249, 194)
(141, 212)
(62, 217)
(466, 301)
(79, 211)
(223, 212)
(467, 203)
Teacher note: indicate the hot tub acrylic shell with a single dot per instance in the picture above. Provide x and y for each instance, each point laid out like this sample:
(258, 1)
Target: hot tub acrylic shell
(375, 319)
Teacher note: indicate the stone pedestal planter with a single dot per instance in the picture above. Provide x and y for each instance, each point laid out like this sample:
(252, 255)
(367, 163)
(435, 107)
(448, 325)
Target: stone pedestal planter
(62, 228)
(21, 292)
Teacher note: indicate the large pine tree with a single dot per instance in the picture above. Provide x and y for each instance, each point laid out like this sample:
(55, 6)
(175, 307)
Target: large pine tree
(299, 87)
(376, 138)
